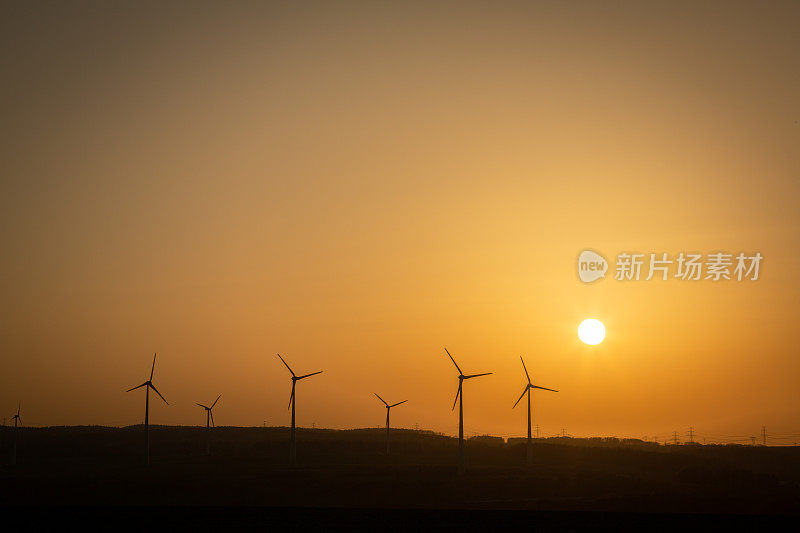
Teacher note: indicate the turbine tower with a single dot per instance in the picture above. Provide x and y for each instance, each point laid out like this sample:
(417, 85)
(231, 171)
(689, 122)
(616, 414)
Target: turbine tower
(293, 442)
(388, 408)
(209, 422)
(528, 387)
(148, 385)
(460, 400)
(17, 421)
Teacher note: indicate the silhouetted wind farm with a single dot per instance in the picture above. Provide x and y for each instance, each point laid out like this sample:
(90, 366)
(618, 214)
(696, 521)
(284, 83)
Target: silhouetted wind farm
(17, 422)
(292, 403)
(388, 409)
(460, 400)
(148, 385)
(604, 187)
(416, 468)
(527, 390)
(209, 422)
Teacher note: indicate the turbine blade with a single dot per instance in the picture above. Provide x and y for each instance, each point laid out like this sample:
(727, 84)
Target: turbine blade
(212, 417)
(526, 369)
(381, 399)
(155, 389)
(398, 403)
(520, 396)
(458, 392)
(543, 388)
(215, 401)
(477, 375)
(19, 407)
(19, 419)
(287, 366)
(309, 375)
(203, 406)
(291, 399)
(154, 367)
(137, 386)
(454, 362)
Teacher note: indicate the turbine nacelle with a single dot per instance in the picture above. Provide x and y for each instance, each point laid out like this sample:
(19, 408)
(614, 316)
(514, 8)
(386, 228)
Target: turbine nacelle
(209, 412)
(474, 376)
(295, 378)
(388, 406)
(149, 382)
(16, 418)
(462, 377)
(207, 408)
(530, 384)
(298, 378)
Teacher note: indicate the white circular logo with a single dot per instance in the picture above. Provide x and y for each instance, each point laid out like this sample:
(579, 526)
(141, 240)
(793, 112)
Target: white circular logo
(591, 266)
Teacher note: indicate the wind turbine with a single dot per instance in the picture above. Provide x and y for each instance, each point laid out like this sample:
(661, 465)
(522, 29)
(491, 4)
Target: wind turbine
(528, 387)
(209, 422)
(460, 400)
(295, 379)
(388, 408)
(17, 420)
(148, 385)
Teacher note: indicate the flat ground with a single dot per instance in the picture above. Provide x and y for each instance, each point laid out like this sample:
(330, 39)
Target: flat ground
(247, 468)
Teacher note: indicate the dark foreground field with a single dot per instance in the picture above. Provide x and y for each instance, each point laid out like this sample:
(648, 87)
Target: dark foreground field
(591, 479)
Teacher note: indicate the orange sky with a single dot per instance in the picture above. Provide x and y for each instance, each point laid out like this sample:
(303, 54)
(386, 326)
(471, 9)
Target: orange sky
(357, 187)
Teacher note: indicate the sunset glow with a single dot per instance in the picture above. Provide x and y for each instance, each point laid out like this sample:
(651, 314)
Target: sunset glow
(356, 188)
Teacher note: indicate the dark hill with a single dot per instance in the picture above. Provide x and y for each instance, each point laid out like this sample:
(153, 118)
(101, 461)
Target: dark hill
(348, 468)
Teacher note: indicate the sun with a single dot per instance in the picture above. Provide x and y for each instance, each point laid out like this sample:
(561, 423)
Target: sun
(591, 331)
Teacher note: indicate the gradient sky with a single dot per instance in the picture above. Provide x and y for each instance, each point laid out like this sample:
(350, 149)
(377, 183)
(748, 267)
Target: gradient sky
(357, 185)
